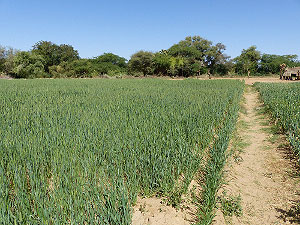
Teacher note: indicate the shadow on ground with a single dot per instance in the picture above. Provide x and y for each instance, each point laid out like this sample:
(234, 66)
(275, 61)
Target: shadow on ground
(292, 215)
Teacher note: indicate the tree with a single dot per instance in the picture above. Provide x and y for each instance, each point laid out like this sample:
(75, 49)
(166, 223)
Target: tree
(161, 63)
(48, 51)
(2, 58)
(54, 54)
(66, 53)
(248, 61)
(165, 64)
(141, 61)
(215, 57)
(113, 59)
(28, 65)
(6, 59)
(198, 53)
(109, 63)
(225, 68)
(271, 63)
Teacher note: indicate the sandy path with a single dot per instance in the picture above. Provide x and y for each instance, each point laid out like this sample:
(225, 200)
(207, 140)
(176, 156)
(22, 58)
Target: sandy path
(263, 178)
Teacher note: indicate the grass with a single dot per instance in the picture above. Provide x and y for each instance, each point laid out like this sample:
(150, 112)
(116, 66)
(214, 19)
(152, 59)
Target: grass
(230, 205)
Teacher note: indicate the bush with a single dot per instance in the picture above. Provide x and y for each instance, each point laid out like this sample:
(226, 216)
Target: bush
(28, 65)
(141, 62)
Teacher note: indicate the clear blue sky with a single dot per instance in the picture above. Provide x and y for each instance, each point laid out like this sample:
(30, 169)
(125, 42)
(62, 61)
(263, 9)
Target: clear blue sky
(124, 27)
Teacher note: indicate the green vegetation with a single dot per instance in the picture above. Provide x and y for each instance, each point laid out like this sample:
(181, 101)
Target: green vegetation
(141, 62)
(216, 162)
(283, 101)
(248, 61)
(190, 57)
(54, 54)
(28, 65)
(251, 61)
(230, 205)
(80, 151)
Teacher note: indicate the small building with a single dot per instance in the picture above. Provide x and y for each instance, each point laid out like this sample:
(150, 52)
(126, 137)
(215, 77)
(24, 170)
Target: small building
(291, 73)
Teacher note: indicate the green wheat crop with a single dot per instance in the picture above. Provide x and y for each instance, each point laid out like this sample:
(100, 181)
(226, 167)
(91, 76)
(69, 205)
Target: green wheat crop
(283, 101)
(80, 151)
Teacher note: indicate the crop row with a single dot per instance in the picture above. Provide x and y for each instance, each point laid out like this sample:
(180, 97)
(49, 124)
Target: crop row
(80, 151)
(283, 101)
(218, 154)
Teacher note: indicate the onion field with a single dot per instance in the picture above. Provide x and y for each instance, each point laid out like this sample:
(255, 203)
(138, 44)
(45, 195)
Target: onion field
(283, 101)
(80, 151)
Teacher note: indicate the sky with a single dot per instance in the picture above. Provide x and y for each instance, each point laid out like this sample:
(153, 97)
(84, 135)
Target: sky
(125, 27)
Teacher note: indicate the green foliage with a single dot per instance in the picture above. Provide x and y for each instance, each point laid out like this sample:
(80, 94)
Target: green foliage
(224, 68)
(248, 61)
(6, 59)
(283, 101)
(231, 205)
(112, 59)
(162, 63)
(270, 64)
(165, 64)
(108, 64)
(190, 57)
(192, 48)
(66, 53)
(141, 61)
(217, 159)
(2, 58)
(27, 65)
(80, 151)
(54, 54)
(198, 52)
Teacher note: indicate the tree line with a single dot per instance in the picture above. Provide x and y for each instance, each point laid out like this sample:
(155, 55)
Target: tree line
(192, 56)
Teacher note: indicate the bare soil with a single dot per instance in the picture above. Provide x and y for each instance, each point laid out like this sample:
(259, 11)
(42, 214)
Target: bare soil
(154, 211)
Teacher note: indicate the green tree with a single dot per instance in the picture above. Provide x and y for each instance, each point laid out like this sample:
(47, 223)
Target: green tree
(66, 53)
(75, 68)
(54, 54)
(113, 59)
(248, 61)
(198, 53)
(141, 61)
(49, 51)
(2, 58)
(28, 65)
(225, 68)
(165, 64)
(215, 58)
(6, 59)
(109, 63)
(270, 64)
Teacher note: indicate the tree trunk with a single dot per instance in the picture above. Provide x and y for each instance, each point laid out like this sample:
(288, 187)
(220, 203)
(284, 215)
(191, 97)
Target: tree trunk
(248, 74)
(209, 75)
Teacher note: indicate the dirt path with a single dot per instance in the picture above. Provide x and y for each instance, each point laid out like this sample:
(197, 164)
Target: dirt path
(263, 179)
